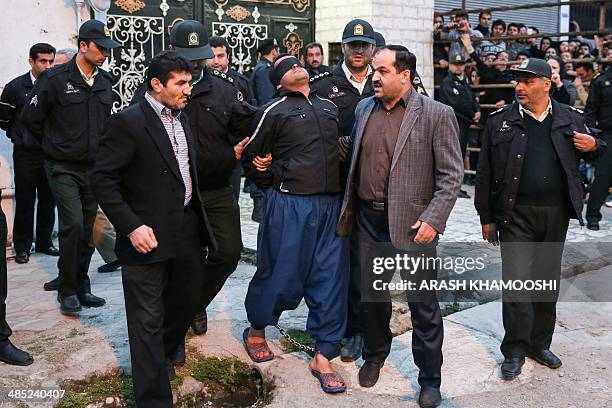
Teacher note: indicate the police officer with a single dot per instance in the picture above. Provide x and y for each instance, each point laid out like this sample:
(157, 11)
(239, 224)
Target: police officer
(598, 114)
(260, 83)
(456, 93)
(28, 159)
(218, 113)
(220, 62)
(527, 188)
(347, 84)
(67, 110)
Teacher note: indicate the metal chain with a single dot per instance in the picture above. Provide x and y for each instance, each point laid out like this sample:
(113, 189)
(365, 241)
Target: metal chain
(293, 341)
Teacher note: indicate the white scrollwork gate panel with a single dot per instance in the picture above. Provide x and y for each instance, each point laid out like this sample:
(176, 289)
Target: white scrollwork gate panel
(242, 39)
(142, 38)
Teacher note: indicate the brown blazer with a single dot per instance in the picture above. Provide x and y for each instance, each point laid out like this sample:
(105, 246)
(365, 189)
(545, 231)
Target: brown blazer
(426, 171)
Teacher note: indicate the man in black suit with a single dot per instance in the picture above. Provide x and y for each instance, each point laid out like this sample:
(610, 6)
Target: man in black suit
(28, 158)
(145, 180)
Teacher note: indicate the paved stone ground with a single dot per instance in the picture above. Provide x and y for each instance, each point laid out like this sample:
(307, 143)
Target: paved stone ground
(97, 341)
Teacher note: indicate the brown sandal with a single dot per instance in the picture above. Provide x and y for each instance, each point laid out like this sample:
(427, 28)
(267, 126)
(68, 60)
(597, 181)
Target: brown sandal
(253, 349)
(327, 378)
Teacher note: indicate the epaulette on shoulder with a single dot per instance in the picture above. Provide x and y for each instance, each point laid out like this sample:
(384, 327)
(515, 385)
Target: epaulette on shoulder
(319, 77)
(56, 70)
(222, 75)
(580, 111)
(497, 111)
(105, 73)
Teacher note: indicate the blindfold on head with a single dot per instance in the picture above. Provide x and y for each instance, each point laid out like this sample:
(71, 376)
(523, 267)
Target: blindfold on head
(280, 69)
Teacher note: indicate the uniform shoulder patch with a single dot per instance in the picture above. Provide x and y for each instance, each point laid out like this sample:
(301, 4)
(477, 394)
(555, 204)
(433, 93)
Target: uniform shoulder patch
(497, 111)
(105, 73)
(222, 75)
(319, 77)
(580, 111)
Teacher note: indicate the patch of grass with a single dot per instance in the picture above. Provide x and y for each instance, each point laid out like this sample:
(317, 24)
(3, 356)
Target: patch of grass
(177, 382)
(301, 336)
(72, 399)
(97, 388)
(229, 374)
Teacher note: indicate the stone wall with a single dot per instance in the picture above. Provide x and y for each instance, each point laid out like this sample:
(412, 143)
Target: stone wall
(401, 22)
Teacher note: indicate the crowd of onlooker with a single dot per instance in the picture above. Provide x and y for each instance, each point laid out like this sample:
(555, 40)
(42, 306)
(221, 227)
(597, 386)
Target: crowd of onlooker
(491, 43)
(490, 50)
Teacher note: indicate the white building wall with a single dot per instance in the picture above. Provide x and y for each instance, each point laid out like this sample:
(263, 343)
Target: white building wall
(332, 15)
(27, 22)
(402, 22)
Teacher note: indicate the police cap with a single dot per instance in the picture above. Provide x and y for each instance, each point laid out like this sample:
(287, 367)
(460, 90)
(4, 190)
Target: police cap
(533, 67)
(190, 40)
(97, 32)
(358, 30)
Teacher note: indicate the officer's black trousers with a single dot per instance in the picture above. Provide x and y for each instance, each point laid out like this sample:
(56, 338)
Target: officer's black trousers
(76, 208)
(30, 181)
(160, 301)
(428, 329)
(5, 330)
(531, 248)
(464, 134)
(224, 217)
(602, 182)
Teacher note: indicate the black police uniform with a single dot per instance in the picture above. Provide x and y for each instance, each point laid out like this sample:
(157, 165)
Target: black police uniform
(219, 117)
(456, 93)
(68, 116)
(242, 84)
(598, 114)
(260, 84)
(322, 69)
(30, 178)
(528, 183)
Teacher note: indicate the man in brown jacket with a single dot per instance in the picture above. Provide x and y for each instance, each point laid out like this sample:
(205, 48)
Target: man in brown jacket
(404, 178)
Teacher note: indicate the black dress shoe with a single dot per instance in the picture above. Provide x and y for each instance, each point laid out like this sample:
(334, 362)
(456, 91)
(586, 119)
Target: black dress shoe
(429, 397)
(545, 357)
(22, 257)
(89, 300)
(352, 349)
(10, 354)
(170, 370)
(511, 367)
(199, 325)
(51, 251)
(369, 373)
(593, 225)
(110, 267)
(69, 305)
(464, 194)
(51, 285)
(179, 355)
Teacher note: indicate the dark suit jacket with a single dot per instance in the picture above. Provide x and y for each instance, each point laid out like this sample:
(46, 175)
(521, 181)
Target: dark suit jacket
(136, 179)
(426, 170)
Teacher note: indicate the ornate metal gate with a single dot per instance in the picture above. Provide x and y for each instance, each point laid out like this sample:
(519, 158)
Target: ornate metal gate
(143, 27)
(244, 23)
